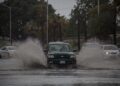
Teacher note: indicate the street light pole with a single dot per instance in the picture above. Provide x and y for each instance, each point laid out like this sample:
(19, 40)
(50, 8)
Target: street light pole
(47, 25)
(78, 34)
(98, 14)
(47, 39)
(10, 25)
(98, 7)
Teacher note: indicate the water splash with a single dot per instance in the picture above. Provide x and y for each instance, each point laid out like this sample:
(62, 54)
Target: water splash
(92, 56)
(31, 53)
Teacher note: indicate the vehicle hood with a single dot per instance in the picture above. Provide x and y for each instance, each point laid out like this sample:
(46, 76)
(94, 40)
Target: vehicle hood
(0, 51)
(68, 53)
(112, 51)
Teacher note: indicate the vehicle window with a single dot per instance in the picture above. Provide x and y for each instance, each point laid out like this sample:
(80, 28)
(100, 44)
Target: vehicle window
(59, 48)
(10, 48)
(110, 48)
(4, 48)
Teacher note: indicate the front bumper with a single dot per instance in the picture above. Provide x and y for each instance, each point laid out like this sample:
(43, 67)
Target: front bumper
(112, 55)
(62, 61)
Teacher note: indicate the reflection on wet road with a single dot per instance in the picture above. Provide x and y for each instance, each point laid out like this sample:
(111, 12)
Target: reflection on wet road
(52, 77)
(16, 76)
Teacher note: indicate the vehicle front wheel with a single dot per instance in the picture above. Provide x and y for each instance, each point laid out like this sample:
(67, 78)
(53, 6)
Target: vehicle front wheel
(74, 66)
(50, 66)
(0, 56)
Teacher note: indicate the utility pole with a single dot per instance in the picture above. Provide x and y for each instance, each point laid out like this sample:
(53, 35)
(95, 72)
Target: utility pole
(98, 17)
(10, 27)
(10, 21)
(47, 24)
(98, 7)
(78, 34)
(47, 39)
(60, 28)
(60, 32)
(114, 29)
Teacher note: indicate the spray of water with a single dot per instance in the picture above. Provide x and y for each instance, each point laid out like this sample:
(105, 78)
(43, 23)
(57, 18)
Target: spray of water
(31, 53)
(92, 56)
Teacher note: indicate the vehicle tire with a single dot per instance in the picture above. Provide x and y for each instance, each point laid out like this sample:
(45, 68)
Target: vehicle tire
(7, 55)
(49, 65)
(74, 66)
(0, 56)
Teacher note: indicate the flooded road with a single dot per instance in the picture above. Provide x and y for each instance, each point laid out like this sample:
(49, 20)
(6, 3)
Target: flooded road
(12, 74)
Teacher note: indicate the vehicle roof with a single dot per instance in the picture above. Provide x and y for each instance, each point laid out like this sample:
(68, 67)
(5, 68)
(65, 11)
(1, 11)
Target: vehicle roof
(58, 43)
(108, 45)
(9, 46)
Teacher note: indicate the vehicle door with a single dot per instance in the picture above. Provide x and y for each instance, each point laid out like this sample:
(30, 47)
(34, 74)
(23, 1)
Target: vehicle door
(4, 52)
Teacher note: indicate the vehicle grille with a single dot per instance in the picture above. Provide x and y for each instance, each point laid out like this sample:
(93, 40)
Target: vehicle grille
(64, 56)
(113, 52)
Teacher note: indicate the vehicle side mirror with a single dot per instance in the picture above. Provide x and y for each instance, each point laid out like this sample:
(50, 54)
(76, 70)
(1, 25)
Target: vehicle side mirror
(119, 49)
(75, 50)
(4, 49)
(45, 50)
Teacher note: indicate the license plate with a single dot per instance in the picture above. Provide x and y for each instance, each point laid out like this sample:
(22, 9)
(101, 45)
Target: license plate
(62, 62)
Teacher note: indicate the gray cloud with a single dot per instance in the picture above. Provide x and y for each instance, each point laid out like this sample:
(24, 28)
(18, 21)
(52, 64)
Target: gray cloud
(1, 1)
(63, 7)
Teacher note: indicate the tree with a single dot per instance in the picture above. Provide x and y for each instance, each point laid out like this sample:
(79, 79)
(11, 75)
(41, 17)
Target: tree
(57, 25)
(24, 13)
(81, 10)
(116, 5)
(40, 15)
(102, 24)
(21, 14)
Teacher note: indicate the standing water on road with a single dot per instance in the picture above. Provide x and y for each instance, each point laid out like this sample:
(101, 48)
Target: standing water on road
(31, 53)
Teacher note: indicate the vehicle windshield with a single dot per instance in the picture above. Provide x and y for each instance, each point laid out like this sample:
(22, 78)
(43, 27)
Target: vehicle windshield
(59, 48)
(110, 48)
(8, 48)
(11, 48)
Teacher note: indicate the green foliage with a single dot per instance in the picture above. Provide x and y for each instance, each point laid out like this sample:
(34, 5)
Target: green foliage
(20, 15)
(86, 12)
(101, 26)
(29, 18)
(117, 2)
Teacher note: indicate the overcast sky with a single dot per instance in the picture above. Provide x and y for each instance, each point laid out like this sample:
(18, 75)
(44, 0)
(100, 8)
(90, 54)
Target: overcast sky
(1, 0)
(63, 7)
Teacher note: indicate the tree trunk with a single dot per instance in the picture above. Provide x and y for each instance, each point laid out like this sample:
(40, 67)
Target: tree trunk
(85, 32)
(78, 26)
(115, 25)
(42, 34)
(60, 32)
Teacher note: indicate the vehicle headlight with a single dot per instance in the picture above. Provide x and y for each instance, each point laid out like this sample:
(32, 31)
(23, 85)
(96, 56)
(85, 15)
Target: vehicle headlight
(107, 53)
(72, 56)
(50, 56)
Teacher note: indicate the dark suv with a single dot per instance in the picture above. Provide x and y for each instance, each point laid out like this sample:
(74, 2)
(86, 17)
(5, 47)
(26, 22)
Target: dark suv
(60, 53)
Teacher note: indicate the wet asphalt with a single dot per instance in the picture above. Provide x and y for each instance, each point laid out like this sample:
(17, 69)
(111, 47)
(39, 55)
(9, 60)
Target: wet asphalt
(12, 73)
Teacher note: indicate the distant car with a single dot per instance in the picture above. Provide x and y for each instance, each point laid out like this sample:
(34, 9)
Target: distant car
(60, 53)
(111, 50)
(7, 51)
